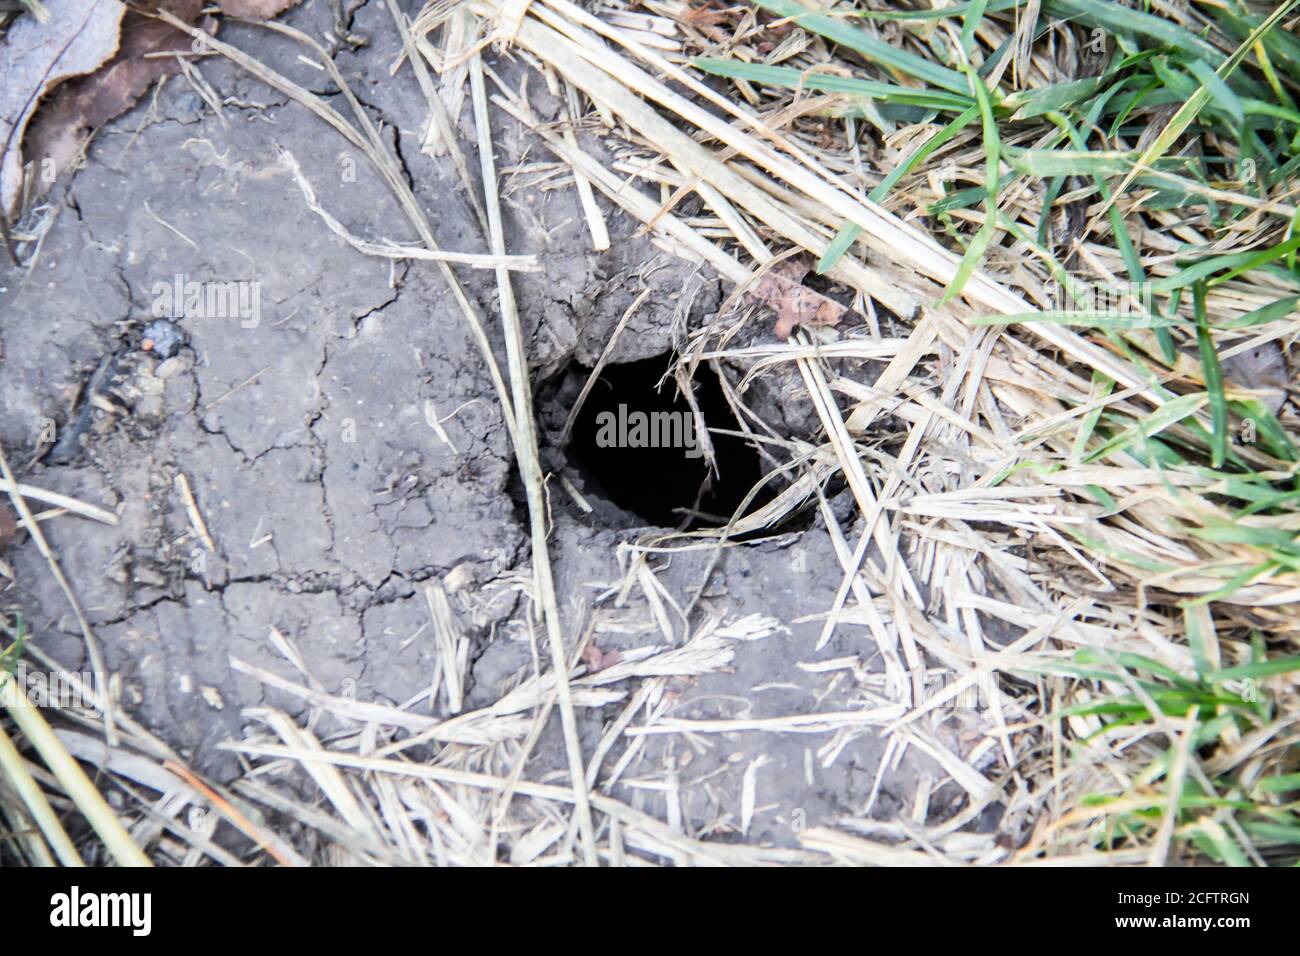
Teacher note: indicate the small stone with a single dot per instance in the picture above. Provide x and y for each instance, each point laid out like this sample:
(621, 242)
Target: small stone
(213, 697)
(459, 577)
(170, 368)
(150, 577)
(149, 385)
(149, 406)
(162, 337)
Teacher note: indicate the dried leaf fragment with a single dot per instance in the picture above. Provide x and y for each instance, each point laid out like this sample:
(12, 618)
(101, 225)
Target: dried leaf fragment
(84, 103)
(781, 289)
(255, 9)
(35, 58)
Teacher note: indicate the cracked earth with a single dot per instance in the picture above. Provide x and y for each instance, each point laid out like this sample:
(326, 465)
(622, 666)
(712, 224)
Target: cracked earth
(308, 441)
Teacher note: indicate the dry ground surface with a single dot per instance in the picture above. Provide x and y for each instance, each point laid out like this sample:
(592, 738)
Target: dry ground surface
(332, 503)
(321, 543)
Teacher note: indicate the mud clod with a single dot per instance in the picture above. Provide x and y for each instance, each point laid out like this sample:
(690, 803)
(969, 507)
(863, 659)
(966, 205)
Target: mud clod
(162, 337)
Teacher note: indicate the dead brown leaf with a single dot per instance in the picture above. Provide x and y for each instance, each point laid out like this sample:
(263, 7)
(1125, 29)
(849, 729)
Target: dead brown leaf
(90, 91)
(1263, 369)
(708, 20)
(255, 9)
(782, 290)
(597, 660)
(82, 105)
(35, 58)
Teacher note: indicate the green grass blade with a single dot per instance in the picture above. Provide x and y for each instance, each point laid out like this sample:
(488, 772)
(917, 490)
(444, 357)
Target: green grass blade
(849, 232)
(1280, 665)
(1220, 92)
(1197, 640)
(1273, 832)
(1044, 163)
(970, 23)
(1284, 783)
(1188, 112)
(1272, 312)
(790, 78)
(1268, 430)
(1255, 260)
(942, 13)
(1101, 387)
(1213, 372)
(993, 157)
(1234, 584)
(1116, 18)
(870, 47)
(1083, 318)
(1027, 104)
(1170, 413)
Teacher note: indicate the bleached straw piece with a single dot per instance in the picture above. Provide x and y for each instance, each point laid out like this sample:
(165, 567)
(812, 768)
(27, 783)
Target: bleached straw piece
(595, 218)
(570, 59)
(450, 639)
(192, 511)
(437, 111)
(63, 502)
(74, 781)
(20, 778)
(93, 650)
(526, 453)
(391, 250)
(790, 724)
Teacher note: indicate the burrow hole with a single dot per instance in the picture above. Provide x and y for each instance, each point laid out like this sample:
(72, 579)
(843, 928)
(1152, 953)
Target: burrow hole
(636, 444)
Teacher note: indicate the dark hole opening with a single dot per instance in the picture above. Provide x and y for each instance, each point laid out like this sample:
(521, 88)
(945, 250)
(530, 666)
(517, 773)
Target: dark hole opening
(637, 441)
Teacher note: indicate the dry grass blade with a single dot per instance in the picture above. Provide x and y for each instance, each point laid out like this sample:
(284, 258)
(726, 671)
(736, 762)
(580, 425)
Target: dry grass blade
(526, 453)
(18, 776)
(92, 643)
(391, 250)
(74, 781)
(64, 502)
